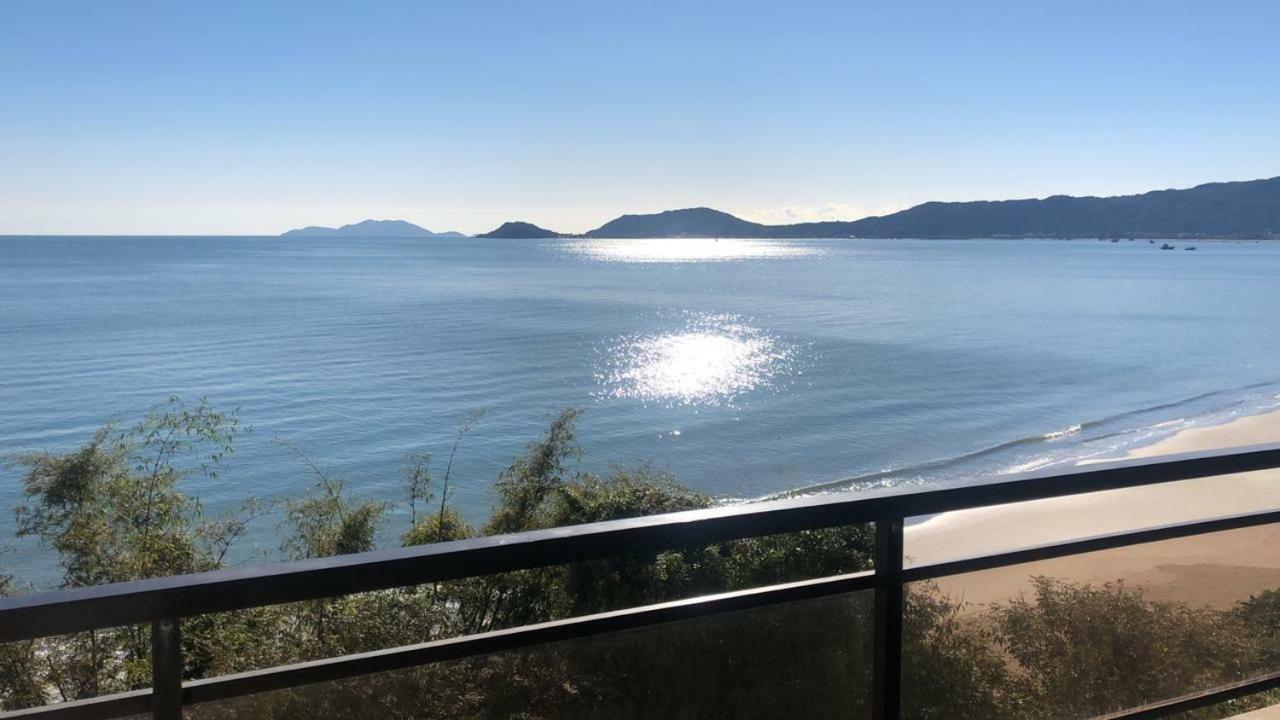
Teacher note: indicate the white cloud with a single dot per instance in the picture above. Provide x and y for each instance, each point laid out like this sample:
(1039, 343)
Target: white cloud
(816, 213)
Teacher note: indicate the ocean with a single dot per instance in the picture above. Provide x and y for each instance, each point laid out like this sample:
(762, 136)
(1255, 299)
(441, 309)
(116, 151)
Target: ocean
(747, 368)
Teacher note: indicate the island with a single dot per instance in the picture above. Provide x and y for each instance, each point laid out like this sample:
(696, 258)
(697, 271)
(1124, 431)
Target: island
(519, 229)
(372, 229)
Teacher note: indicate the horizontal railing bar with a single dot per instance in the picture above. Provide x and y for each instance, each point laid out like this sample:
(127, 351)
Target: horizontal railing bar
(135, 702)
(222, 688)
(1095, 543)
(78, 609)
(330, 669)
(1196, 700)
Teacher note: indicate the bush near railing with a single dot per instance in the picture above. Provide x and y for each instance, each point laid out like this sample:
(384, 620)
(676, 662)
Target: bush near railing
(113, 511)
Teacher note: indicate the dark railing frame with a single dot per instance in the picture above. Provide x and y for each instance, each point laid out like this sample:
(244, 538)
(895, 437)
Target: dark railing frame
(163, 602)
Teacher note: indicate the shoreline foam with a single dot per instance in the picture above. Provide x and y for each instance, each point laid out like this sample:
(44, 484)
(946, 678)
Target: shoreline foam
(1093, 440)
(1216, 570)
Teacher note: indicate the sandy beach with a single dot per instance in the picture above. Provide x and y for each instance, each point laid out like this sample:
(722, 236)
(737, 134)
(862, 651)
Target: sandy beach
(1216, 570)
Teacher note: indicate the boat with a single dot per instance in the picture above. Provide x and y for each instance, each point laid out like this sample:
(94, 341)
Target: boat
(1166, 246)
(1189, 247)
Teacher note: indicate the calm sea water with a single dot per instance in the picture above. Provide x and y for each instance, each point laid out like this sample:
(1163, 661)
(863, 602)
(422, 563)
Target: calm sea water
(745, 367)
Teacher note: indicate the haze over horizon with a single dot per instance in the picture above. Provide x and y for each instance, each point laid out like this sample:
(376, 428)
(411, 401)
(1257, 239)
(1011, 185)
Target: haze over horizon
(148, 118)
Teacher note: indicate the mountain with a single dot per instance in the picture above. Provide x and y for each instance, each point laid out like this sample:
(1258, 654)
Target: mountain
(519, 229)
(371, 228)
(1248, 209)
(691, 222)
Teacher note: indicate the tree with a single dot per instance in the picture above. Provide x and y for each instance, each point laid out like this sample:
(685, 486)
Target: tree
(525, 486)
(952, 665)
(112, 510)
(447, 523)
(19, 665)
(328, 522)
(1085, 650)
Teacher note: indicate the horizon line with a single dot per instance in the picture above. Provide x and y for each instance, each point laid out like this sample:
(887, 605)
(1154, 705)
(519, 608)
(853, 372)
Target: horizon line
(641, 214)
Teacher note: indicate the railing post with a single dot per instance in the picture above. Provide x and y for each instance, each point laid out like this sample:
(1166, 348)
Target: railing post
(886, 663)
(166, 669)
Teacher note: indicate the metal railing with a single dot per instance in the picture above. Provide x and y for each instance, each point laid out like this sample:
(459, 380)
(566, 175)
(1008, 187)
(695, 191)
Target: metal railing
(164, 602)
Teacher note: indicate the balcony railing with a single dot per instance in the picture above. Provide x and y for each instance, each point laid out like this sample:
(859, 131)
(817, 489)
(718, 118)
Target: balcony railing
(164, 602)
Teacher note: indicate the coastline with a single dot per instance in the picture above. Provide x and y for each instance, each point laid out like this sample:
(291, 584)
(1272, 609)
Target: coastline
(1217, 570)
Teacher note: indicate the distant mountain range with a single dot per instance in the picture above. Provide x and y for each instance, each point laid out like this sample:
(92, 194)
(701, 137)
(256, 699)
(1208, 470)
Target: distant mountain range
(1249, 209)
(372, 229)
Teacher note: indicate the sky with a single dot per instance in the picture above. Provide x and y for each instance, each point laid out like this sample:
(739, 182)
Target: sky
(256, 117)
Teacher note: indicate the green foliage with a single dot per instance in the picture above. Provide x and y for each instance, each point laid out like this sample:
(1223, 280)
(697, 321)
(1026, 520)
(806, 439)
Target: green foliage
(19, 674)
(1087, 650)
(543, 488)
(524, 488)
(417, 482)
(644, 578)
(1260, 615)
(952, 666)
(113, 510)
(328, 522)
(73, 503)
(449, 525)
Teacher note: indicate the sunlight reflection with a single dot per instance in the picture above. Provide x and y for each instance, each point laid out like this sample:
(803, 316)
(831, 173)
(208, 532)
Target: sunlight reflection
(675, 250)
(709, 363)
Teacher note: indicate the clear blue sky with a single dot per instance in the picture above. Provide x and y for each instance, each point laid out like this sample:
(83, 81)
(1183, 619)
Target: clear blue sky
(254, 117)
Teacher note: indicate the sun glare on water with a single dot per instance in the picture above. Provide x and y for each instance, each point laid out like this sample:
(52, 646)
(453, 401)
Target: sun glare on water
(677, 250)
(709, 363)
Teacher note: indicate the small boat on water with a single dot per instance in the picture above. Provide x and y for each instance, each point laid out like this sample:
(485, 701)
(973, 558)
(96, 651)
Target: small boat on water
(1166, 246)
(1189, 247)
